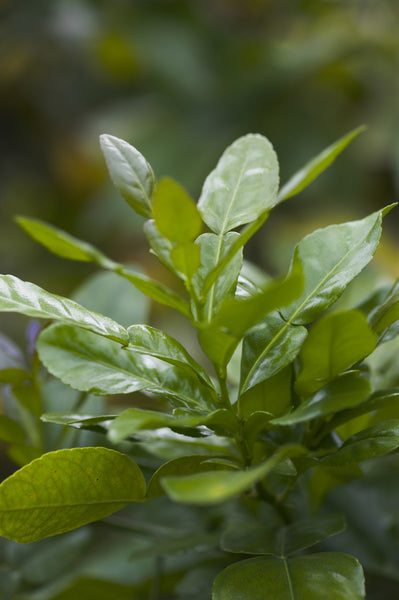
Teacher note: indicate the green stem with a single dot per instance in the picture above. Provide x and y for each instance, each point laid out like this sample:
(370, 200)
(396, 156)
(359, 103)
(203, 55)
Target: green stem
(155, 593)
(77, 406)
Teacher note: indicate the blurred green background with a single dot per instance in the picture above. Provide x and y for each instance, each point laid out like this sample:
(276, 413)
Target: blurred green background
(180, 80)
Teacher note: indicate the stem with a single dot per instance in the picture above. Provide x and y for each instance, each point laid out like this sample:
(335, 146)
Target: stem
(155, 593)
(77, 406)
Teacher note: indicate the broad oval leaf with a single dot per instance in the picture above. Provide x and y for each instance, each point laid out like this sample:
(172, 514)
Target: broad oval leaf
(186, 259)
(327, 576)
(335, 343)
(344, 392)
(29, 299)
(317, 165)
(175, 213)
(214, 487)
(131, 173)
(330, 259)
(93, 364)
(66, 489)
(243, 185)
(62, 243)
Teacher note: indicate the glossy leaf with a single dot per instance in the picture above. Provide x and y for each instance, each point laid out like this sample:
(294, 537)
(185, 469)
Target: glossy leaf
(386, 314)
(243, 185)
(261, 538)
(175, 214)
(327, 575)
(317, 165)
(160, 246)
(369, 443)
(330, 259)
(66, 489)
(212, 487)
(79, 421)
(132, 420)
(344, 392)
(148, 340)
(213, 248)
(93, 364)
(130, 172)
(62, 243)
(269, 347)
(29, 299)
(335, 343)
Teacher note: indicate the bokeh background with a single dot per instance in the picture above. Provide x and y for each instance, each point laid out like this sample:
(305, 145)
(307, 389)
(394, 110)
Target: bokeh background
(180, 80)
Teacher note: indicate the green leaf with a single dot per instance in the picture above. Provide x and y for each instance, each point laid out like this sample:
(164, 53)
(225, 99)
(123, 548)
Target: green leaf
(213, 248)
(160, 246)
(327, 575)
(130, 172)
(79, 421)
(215, 487)
(175, 213)
(62, 243)
(29, 299)
(93, 364)
(178, 467)
(154, 290)
(66, 489)
(335, 342)
(272, 396)
(369, 443)
(22, 454)
(379, 400)
(148, 340)
(11, 431)
(109, 294)
(132, 420)
(330, 259)
(186, 259)
(386, 314)
(243, 185)
(218, 345)
(344, 392)
(257, 538)
(269, 347)
(317, 165)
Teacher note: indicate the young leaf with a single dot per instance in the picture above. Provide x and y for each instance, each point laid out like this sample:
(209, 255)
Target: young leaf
(272, 396)
(130, 172)
(148, 340)
(335, 342)
(330, 259)
(269, 347)
(317, 165)
(175, 213)
(344, 392)
(62, 243)
(186, 259)
(327, 575)
(93, 364)
(66, 489)
(215, 487)
(29, 299)
(243, 185)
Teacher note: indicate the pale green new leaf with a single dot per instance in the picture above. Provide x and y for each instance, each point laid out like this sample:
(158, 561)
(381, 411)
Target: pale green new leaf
(186, 259)
(175, 214)
(130, 172)
(317, 165)
(62, 243)
(148, 340)
(243, 185)
(346, 391)
(214, 487)
(66, 489)
(335, 342)
(322, 576)
(90, 363)
(29, 299)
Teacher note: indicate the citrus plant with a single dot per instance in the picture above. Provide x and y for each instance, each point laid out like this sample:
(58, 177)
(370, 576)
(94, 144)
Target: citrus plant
(282, 406)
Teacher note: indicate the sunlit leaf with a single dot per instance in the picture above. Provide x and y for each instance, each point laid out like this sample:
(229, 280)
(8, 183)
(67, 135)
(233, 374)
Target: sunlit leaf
(175, 213)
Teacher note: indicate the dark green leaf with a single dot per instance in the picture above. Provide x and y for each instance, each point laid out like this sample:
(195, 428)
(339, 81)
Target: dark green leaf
(66, 489)
(11, 431)
(29, 299)
(243, 185)
(335, 342)
(130, 172)
(317, 165)
(344, 392)
(327, 576)
(386, 314)
(175, 213)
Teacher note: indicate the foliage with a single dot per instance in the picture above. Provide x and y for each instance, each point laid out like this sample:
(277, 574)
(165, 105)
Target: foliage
(282, 405)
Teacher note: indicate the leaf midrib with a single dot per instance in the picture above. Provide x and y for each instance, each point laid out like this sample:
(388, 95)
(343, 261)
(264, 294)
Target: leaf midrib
(67, 504)
(288, 323)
